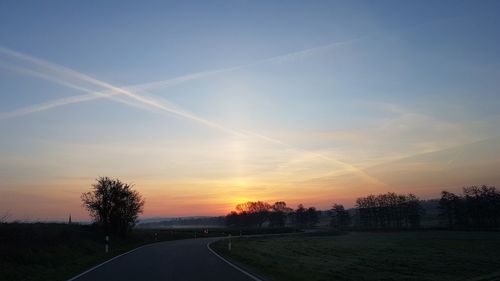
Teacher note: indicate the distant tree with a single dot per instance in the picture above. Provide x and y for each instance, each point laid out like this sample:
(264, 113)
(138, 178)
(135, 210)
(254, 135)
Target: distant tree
(306, 217)
(253, 213)
(4, 217)
(280, 206)
(482, 205)
(478, 207)
(340, 217)
(312, 216)
(278, 214)
(233, 219)
(389, 210)
(412, 209)
(449, 205)
(301, 216)
(113, 205)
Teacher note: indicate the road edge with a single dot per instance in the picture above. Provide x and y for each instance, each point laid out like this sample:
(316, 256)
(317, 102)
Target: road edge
(107, 261)
(232, 264)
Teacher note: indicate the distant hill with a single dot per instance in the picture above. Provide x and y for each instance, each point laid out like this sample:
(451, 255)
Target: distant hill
(183, 222)
(429, 219)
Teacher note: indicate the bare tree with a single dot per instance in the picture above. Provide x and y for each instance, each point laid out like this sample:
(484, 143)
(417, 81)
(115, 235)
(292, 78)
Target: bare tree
(478, 207)
(340, 217)
(113, 205)
(301, 216)
(253, 213)
(306, 217)
(257, 213)
(4, 217)
(312, 216)
(278, 214)
(389, 210)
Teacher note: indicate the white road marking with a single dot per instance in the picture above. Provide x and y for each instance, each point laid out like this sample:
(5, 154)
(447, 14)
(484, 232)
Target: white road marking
(231, 264)
(99, 265)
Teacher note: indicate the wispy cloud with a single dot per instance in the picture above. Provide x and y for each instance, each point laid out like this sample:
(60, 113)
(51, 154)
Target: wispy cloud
(110, 92)
(60, 74)
(57, 73)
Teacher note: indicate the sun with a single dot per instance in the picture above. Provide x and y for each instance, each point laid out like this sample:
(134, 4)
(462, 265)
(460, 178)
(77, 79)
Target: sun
(237, 200)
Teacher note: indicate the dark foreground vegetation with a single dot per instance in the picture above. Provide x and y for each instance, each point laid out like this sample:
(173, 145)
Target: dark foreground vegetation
(51, 251)
(401, 255)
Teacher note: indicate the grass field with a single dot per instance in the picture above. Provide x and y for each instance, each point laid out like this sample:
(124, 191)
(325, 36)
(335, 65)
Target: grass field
(423, 255)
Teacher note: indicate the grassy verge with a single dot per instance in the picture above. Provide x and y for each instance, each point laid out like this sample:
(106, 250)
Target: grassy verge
(424, 255)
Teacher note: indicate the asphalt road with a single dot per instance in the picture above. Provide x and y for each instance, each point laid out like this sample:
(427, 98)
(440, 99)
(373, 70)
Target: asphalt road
(168, 261)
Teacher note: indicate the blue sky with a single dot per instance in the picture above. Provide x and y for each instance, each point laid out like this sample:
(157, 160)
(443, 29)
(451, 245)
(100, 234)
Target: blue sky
(274, 96)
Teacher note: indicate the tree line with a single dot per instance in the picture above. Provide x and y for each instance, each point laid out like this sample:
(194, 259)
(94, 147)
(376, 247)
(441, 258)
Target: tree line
(115, 207)
(476, 207)
(389, 210)
(258, 213)
(374, 211)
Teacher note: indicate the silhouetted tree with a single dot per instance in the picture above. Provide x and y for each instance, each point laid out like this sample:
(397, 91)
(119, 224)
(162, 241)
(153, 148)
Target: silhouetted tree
(4, 217)
(340, 217)
(482, 205)
(479, 207)
(278, 214)
(249, 214)
(389, 210)
(113, 205)
(233, 219)
(300, 216)
(312, 216)
(452, 209)
(412, 209)
(306, 217)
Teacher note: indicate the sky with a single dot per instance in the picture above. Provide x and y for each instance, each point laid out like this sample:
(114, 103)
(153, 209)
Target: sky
(202, 105)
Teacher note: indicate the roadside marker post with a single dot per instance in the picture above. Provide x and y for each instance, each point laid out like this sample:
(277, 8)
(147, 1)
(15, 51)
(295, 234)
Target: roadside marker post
(229, 244)
(156, 236)
(106, 246)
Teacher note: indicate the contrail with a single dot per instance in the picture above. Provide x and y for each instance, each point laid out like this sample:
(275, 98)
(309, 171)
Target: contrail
(144, 86)
(276, 59)
(46, 106)
(67, 72)
(92, 95)
(64, 71)
(348, 167)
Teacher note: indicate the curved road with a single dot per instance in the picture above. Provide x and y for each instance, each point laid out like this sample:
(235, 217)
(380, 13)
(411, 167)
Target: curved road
(172, 260)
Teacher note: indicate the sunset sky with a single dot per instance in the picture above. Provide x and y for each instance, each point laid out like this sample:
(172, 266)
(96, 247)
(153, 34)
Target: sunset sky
(206, 104)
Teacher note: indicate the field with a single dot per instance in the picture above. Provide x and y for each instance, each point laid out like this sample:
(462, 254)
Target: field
(419, 255)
